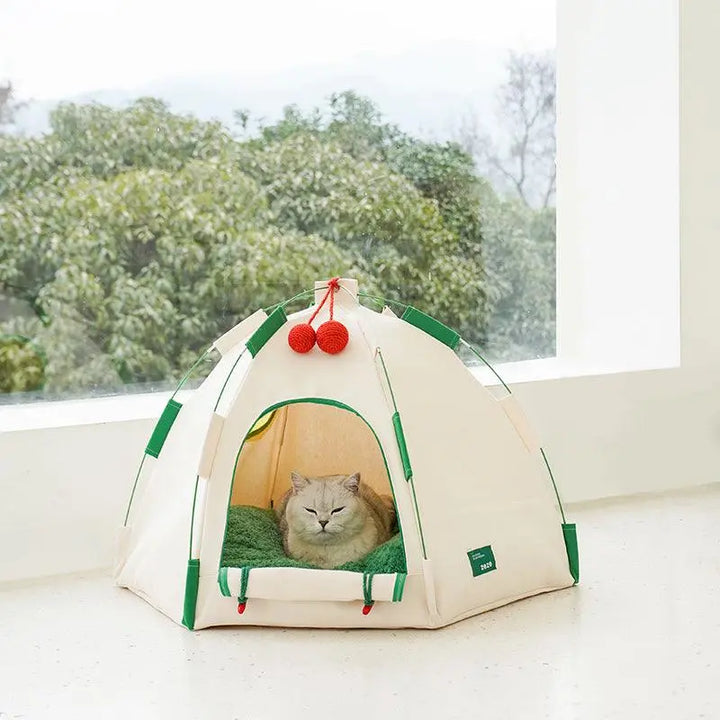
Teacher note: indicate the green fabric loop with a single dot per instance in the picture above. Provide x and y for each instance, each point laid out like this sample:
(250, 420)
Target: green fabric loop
(223, 580)
(244, 576)
(399, 586)
(367, 588)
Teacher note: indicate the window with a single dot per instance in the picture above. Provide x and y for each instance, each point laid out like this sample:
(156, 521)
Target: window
(153, 196)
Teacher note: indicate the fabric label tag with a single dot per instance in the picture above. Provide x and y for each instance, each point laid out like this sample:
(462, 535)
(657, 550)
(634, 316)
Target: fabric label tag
(482, 560)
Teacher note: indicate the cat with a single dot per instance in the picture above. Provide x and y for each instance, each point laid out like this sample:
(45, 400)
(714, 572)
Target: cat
(328, 521)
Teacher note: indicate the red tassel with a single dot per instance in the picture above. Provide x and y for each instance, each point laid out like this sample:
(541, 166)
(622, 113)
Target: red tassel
(367, 609)
(241, 607)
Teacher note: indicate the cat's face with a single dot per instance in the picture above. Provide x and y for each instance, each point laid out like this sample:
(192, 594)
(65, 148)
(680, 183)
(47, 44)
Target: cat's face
(326, 509)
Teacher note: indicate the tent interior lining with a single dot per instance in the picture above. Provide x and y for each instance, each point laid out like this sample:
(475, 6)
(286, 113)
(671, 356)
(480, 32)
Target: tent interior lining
(311, 438)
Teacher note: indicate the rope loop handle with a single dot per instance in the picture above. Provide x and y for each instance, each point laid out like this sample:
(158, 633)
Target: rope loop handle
(332, 288)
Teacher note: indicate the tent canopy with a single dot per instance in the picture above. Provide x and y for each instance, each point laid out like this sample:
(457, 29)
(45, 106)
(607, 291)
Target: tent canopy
(481, 525)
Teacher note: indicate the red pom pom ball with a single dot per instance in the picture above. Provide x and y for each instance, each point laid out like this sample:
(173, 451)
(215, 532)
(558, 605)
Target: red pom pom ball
(301, 338)
(332, 337)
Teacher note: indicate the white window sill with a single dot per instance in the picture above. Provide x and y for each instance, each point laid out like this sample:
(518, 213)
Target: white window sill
(148, 406)
(556, 368)
(84, 411)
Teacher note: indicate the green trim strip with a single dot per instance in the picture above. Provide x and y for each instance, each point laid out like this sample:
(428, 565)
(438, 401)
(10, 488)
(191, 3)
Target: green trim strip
(486, 363)
(417, 515)
(162, 428)
(227, 378)
(387, 378)
(187, 375)
(367, 588)
(402, 446)
(431, 326)
(571, 545)
(134, 487)
(399, 586)
(192, 581)
(182, 382)
(552, 478)
(569, 529)
(244, 577)
(273, 323)
(192, 516)
(223, 580)
(404, 455)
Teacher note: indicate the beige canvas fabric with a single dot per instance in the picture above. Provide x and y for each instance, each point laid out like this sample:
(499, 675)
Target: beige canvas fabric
(314, 440)
(477, 481)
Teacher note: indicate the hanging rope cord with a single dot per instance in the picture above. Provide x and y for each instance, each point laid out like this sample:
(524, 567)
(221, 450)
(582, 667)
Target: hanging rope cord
(332, 287)
(367, 593)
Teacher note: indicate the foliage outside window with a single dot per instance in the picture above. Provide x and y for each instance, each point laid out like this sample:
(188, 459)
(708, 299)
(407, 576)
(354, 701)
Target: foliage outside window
(131, 237)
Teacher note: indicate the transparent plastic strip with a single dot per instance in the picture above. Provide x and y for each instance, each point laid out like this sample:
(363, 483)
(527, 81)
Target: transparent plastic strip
(552, 478)
(485, 362)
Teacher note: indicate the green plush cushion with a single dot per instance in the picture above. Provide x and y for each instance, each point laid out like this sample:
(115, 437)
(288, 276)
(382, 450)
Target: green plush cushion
(253, 539)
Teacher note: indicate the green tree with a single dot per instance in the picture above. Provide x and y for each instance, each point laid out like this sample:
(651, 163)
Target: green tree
(519, 226)
(133, 237)
(520, 156)
(408, 210)
(130, 238)
(8, 105)
(519, 247)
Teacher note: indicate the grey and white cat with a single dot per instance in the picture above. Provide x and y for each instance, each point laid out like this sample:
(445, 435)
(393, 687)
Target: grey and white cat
(331, 520)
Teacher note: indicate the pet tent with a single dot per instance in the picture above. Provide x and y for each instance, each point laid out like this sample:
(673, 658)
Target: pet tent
(479, 521)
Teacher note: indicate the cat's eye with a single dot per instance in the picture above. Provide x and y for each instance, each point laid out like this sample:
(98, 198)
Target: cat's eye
(310, 510)
(337, 510)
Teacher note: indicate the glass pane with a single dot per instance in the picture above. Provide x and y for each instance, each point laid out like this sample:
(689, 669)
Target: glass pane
(157, 187)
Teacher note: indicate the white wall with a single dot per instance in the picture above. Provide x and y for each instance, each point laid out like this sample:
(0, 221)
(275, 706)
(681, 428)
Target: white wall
(617, 219)
(648, 431)
(63, 494)
(64, 489)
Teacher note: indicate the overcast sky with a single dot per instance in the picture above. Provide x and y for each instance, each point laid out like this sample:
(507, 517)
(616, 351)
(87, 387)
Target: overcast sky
(54, 49)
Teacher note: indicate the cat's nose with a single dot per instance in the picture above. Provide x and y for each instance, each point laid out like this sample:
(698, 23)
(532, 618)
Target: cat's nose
(323, 523)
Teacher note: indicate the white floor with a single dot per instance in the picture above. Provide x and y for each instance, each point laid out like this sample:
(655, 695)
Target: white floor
(639, 638)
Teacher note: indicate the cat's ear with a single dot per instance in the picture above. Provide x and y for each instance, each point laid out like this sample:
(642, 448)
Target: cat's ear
(298, 481)
(352, 483)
